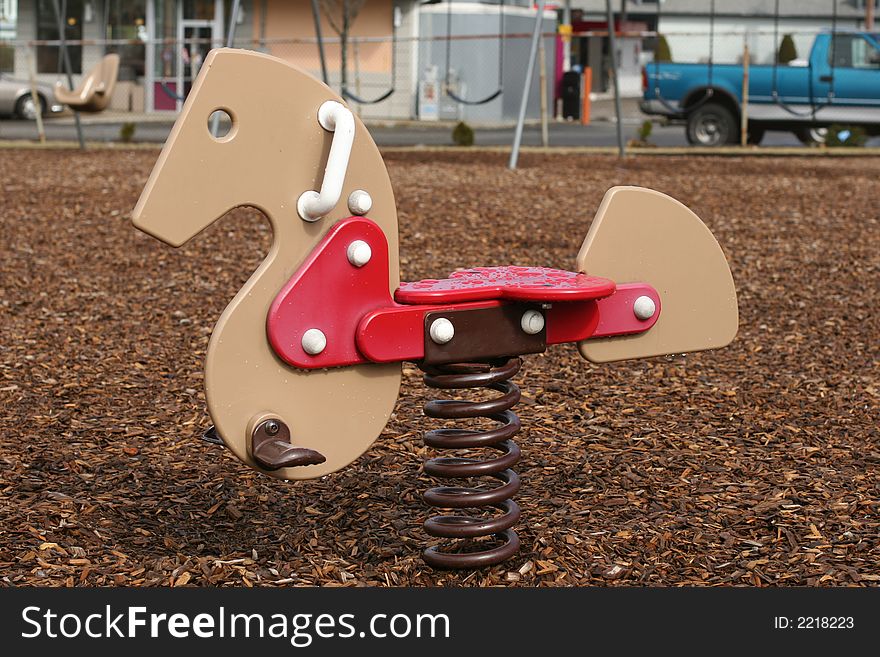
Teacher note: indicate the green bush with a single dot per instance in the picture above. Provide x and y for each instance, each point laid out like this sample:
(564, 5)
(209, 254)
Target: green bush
(126, 131)
(645, 130)
(662, 53)
(846, 135)
(463, 134)
(787, 50)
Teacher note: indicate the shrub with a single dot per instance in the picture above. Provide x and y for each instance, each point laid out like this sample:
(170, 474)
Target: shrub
(787, 50)
(463, 134)
(662, 53)
(126, 131)
(642, 136)
(846, 135)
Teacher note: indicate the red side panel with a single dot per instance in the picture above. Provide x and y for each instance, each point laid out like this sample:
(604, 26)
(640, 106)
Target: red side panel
(330, 294)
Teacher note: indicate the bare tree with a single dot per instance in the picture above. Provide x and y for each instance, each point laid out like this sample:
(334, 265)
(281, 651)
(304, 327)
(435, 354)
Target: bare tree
(341, 14)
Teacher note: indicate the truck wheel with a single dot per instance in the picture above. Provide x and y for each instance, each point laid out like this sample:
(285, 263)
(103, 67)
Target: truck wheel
(812, 135)
(711, 125)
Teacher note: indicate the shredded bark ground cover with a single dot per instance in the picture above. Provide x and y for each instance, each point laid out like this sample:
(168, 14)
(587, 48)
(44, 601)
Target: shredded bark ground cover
(753, 465)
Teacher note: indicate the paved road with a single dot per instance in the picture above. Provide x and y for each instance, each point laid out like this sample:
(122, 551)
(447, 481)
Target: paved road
(599, 133)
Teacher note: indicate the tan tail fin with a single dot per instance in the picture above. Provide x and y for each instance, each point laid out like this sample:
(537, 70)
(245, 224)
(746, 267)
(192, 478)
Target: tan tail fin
(640, 235)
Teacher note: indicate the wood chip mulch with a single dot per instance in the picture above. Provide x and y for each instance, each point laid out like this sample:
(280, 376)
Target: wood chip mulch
(754, 465)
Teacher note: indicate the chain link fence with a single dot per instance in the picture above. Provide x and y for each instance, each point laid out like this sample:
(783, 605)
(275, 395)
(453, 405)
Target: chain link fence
(387, 78)
(476, 77)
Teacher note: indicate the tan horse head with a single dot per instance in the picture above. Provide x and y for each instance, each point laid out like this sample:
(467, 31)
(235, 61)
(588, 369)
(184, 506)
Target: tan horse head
(274, 151)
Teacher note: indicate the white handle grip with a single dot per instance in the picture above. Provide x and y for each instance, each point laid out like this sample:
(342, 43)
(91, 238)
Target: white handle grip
(336, 118)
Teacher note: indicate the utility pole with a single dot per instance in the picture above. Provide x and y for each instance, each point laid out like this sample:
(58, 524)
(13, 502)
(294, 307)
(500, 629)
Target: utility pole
(869, 15)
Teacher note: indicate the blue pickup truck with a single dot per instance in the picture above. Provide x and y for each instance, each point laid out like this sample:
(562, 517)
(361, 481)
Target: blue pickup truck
(839, 84)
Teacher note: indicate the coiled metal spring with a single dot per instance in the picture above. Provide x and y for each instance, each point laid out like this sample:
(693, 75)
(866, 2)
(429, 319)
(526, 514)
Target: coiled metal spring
(474, 553)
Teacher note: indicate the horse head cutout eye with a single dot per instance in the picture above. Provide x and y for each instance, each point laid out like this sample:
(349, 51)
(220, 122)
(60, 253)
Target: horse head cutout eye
(222, 125)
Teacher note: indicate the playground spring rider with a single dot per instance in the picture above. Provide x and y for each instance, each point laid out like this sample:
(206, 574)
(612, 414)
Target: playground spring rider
(304, 365)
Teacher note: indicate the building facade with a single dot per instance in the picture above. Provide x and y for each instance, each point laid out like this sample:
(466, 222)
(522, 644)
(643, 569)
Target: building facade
(162, 43)
(398, 45)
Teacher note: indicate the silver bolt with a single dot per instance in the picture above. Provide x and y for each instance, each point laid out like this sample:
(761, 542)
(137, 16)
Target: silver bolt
(441, 331)
(532, 322)
(272, 427)
(644, 308)
(314, 341)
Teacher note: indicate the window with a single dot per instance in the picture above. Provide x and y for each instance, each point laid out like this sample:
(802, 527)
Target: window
(7, 58)
(8, 19)
(49, 57)
(126, 19)
(853, 51)
(864, 55)
(199, 9)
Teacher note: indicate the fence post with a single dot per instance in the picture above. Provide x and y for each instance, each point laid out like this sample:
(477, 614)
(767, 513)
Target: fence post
(316, 14)
(230, 42)
(65, 56)
(530, 69)
(542, 62)
(744, 114)
(35, 98)
(612, 46)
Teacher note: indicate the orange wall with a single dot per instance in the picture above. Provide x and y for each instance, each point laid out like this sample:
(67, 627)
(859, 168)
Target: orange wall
(292, 19)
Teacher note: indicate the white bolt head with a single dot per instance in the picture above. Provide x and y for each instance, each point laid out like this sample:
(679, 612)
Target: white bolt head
(359, 202)
(359, 253)
(532, 322)
(644, 308)
(314, 342)
(441, 331)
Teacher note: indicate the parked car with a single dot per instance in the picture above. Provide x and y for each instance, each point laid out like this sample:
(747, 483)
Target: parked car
(16, 99)
(839, 83)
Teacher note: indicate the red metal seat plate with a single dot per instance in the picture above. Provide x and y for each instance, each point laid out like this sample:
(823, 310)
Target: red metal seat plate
(540, 284)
